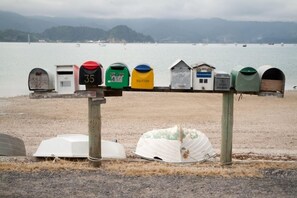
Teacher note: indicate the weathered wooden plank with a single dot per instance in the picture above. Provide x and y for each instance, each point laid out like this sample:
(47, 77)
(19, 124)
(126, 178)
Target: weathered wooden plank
(272, 85)
(94, 125)
(227, 128)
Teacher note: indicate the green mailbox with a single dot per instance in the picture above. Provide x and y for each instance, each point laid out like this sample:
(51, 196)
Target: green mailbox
(117, 76)
(245, 79)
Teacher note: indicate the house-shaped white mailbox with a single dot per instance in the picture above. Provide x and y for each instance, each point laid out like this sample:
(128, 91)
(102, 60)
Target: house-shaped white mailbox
(67, 79)
(180, 75)
(203, 76)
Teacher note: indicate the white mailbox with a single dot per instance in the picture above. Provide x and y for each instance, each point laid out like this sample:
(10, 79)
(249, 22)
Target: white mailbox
(67, 79)
(203, 76)
(180, 75)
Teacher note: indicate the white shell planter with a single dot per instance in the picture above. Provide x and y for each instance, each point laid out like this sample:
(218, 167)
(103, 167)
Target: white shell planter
(175, 145)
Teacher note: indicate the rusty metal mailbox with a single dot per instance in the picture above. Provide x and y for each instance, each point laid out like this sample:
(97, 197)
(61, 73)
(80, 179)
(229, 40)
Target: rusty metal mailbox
(41, 80)
(272, 81)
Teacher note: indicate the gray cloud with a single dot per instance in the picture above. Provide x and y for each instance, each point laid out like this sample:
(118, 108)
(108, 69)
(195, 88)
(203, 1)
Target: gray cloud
(258, 10)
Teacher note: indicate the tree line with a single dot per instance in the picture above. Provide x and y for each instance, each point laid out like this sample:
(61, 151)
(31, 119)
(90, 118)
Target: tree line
(120, 33)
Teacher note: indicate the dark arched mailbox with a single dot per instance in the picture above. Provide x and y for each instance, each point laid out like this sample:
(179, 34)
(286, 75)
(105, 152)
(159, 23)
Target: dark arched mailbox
(91, 73)
(40, 80)
(272, 81)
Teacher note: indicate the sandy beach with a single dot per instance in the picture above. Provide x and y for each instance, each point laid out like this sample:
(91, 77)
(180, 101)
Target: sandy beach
(262, 125)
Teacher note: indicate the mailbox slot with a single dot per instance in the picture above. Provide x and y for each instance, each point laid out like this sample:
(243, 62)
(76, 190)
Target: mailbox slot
(181, 75)
(41, 80)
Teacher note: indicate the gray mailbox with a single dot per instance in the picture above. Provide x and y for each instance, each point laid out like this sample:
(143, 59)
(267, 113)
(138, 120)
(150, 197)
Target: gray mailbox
(222, 81)
(272, 80)
(245, 79)
(40, 80)
(181, 75)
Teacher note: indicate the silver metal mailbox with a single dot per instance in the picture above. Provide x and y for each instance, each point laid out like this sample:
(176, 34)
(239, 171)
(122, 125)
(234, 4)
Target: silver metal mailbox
(180, 75)
(222, 81)
(41, 80)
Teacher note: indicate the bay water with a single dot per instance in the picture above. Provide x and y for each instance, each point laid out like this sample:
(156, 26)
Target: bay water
(18, 59)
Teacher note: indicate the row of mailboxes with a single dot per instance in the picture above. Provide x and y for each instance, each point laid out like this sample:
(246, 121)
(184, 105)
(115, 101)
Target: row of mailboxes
(264, 79)
(202, 76)
(117, 75)
(69, 77)
(199, 76)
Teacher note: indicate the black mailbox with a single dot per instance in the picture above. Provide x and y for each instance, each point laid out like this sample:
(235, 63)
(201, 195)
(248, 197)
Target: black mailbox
(91, 73)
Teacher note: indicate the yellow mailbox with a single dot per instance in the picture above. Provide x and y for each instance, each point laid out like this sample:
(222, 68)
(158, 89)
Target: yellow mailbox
(142, 77)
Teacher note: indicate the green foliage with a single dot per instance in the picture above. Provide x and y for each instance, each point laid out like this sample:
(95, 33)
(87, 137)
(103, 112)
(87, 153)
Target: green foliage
(76, 34)
(17, 36)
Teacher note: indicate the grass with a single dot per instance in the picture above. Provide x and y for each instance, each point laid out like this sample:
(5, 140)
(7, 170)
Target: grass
(149, 168)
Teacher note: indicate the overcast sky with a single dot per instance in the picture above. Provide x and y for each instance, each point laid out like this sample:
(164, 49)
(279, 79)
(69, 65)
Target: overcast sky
(256, 10)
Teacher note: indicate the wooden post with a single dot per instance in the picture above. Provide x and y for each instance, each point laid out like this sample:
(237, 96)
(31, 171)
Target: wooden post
(95, 130)
(227, 128)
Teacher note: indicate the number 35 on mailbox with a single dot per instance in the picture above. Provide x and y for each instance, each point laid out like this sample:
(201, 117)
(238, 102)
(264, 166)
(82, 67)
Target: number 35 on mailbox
(91, 73)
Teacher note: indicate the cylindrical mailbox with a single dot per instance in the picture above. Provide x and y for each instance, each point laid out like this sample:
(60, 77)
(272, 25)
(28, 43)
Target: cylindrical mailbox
(91, 73)
(117, 76)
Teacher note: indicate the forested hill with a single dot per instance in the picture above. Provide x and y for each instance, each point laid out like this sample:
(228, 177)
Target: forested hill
(160, 30)
(119, 33)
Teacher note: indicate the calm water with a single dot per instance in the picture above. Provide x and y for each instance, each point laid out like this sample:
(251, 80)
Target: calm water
(18, 59)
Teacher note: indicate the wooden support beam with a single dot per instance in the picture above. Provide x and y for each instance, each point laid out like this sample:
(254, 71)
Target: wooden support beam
(227, 128)
(94, 119)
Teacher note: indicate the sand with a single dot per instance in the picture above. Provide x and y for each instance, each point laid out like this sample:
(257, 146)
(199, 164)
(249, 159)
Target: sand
(262, 125)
